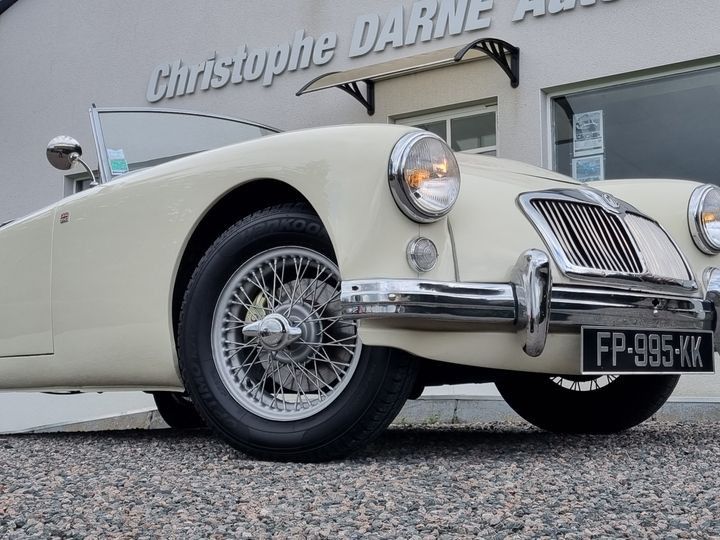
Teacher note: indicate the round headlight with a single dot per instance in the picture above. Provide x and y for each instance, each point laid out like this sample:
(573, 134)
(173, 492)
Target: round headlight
(704, 218)
(424, 176)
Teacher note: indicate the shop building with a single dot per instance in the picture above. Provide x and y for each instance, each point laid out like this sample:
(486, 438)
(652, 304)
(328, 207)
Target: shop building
(591, 88)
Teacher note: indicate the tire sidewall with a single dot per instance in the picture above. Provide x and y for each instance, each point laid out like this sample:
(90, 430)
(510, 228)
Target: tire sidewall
(241, 427)
(624, 403)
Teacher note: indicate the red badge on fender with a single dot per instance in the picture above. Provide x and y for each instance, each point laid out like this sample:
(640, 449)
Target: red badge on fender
(64, 217)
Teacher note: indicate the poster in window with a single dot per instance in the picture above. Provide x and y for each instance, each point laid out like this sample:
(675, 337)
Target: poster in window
(118, 163)
(588, 133)
(589, 169)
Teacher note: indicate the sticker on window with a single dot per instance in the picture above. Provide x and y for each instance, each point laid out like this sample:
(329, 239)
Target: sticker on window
(588, 134)
(589, 169)
(118, 163)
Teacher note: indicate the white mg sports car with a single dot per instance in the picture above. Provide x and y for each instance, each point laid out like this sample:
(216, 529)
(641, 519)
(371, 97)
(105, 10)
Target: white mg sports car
(293, 290)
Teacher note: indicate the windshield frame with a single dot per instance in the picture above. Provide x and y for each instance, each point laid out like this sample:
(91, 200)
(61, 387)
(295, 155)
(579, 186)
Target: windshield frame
(104, 162)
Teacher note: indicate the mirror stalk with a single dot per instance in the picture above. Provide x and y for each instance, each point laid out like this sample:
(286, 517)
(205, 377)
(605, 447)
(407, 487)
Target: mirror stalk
(75, 157)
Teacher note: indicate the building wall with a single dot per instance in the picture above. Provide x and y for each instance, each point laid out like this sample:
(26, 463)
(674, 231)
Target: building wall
(56, 58)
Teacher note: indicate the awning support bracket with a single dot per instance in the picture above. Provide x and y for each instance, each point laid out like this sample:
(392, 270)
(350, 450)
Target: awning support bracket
(352, 88)
(368, 100)
(498, 50)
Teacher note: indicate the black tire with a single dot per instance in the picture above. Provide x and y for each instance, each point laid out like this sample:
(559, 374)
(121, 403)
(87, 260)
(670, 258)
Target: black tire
(360, 411)
(621, 404)
(177, 410)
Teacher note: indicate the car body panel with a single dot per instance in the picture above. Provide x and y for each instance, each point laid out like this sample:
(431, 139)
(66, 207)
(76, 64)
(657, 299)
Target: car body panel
(116, 257)
(25, 269)
(489, 229)
(117, 251)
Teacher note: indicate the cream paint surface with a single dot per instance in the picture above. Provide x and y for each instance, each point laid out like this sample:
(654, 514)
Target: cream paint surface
(25, 269)
(114, 261)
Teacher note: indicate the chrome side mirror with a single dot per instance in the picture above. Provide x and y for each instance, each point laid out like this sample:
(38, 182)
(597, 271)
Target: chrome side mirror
(63, 152)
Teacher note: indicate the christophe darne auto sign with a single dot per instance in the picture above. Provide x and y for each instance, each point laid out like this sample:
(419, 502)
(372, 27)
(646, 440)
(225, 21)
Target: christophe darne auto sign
(423, 20)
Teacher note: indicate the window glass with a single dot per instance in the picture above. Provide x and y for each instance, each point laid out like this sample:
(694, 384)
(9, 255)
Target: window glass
(666, 127)
(470, 132)
(470, 129)
(77, 182)
(438, 128)
(139, 139)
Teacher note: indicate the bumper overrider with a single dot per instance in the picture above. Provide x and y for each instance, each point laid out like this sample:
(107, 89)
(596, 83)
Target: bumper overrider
(530, 303)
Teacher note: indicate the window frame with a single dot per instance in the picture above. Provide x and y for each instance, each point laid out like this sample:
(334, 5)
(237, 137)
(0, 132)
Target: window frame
(549, 160)
(448, 115)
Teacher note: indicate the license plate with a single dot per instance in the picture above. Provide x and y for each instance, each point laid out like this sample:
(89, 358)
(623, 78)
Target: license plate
(624, 350)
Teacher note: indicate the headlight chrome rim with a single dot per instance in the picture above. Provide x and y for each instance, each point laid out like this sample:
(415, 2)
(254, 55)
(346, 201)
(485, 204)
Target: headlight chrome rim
(398, 186)
(697, 229)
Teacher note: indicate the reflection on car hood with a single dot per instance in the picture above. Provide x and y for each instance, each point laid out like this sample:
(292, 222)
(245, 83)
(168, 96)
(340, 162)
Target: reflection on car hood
(492, 167)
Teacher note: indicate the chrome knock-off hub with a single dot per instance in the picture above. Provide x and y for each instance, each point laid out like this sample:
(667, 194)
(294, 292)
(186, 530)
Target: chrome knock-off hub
(274, 332)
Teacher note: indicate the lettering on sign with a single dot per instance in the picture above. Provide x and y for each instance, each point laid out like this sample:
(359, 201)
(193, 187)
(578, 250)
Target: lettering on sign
(422, 21)
(538, 8)
(178, 79)
(427, 20)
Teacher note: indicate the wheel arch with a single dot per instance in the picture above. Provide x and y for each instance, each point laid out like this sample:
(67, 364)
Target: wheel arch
(232, 206)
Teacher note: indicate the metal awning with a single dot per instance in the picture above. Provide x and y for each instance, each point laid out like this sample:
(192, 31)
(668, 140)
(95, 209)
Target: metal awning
(507, 56)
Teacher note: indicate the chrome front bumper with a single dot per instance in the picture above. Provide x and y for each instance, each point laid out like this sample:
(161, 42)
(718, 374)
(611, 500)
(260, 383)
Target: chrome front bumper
(530, 303)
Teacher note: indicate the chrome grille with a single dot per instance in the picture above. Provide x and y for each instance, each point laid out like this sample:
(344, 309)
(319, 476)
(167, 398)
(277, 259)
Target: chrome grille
(661, 256)
(590, 236)
(596, 241)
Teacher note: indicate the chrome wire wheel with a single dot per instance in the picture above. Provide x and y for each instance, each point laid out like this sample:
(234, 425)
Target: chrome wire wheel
(279, 344)
(584, 384)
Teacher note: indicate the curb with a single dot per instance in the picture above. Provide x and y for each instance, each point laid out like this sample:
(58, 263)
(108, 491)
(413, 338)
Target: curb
(424, 411)
(471, 409)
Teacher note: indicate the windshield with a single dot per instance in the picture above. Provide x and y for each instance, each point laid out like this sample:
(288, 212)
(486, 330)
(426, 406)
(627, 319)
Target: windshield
(132, 139)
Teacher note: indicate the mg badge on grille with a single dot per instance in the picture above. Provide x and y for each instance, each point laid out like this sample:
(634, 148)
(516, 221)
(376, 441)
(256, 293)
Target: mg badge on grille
(611, 201)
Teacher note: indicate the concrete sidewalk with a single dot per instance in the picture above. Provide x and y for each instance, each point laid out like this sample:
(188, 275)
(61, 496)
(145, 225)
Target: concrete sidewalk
(424, 411)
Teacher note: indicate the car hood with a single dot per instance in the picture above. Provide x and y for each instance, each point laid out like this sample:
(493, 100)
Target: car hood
(486, 167)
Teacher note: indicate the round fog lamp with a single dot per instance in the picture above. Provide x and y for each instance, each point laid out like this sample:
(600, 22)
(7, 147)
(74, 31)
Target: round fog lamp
(422, 254)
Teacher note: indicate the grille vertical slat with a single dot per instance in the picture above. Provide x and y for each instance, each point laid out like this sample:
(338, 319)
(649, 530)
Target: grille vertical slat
(594, 239)
(648, 235)
(581, 215)
(629, 263)
(625, 244)
(566, 238)
(567, 223)
(601, 227)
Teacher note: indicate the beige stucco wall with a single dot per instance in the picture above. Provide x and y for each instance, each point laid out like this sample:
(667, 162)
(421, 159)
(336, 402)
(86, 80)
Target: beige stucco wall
(58, 57)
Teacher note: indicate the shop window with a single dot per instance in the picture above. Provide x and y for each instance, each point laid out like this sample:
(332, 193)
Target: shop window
(665, 127)
(75, 183)
(472, 129)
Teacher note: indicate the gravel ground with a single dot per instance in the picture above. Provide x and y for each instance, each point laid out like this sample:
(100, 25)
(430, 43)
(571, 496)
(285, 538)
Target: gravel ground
(487, 480)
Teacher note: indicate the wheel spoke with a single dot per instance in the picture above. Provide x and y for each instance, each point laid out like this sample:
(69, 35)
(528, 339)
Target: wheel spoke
(239, 349)
(314, 284)
(248, 368)
(318, 382)
(584, 384)
(280, 375)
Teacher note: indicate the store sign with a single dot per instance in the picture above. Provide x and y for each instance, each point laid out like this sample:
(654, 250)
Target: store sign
(177, 79)
(538, 8)
(423, 21)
